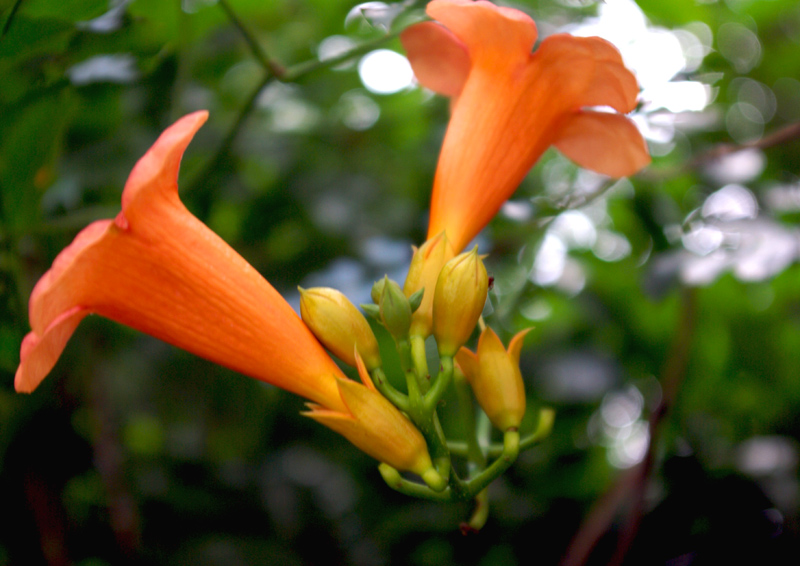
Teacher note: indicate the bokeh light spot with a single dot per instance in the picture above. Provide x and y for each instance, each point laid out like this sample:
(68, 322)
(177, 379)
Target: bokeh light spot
(384, 71)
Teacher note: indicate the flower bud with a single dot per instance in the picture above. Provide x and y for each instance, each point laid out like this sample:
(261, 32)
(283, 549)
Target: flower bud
(458, 301)
(377, 290)
(339, 325)
(495, 378)
(376, 426)
(423, 272)
(395, 308)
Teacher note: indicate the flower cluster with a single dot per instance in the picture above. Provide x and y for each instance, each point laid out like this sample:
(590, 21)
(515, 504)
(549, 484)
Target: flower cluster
(158, 269)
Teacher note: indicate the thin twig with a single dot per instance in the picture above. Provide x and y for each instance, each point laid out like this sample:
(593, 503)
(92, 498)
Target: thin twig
(783, 135)
(786, 134)
(270, 65)
(631, 486)
(301, 69)
(230, 137)
(286, 75)
(11, 14)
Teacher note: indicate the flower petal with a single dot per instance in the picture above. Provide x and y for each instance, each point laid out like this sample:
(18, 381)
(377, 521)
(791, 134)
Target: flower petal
(160, 270)
(39, 354)
(493, 35)
(376, 427)
(439, 59)
(499, 387)
(512, 107)
(515, 346)
(467, 361)
(588, 71)
(607, 143)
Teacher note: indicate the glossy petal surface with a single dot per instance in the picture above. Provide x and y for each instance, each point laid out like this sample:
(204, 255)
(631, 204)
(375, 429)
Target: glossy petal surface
(513, 105)
(160, 270)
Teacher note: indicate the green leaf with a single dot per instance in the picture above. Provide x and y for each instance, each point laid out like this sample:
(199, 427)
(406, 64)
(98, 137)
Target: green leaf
(70, 10)
(29, 145)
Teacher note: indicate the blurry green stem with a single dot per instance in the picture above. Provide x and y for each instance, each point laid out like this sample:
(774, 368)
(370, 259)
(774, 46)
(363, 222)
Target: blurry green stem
(273, 70)
(394, 480)
(443, 380)
(420, 361)
(412, 378)
(229, 138)
(270, 65)
(473, 452)
(509, 455)
(543, 429)
(425, 418)
(307, 67)
(11, 14)
(479, 515)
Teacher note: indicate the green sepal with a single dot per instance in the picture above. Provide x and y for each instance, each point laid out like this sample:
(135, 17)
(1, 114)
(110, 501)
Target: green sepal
(377, 289)
(395, 310)
(415, 300)
(372, 311)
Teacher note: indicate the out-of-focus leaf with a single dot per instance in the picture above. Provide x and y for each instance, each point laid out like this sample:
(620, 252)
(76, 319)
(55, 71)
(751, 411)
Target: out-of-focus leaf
(70, 10)
(30, 141)
(27, 37)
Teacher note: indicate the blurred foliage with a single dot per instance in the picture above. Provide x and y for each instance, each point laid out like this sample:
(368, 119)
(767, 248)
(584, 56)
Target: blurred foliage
(669, 318)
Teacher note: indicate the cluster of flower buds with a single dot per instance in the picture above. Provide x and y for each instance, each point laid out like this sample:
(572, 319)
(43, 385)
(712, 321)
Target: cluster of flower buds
(443, 297)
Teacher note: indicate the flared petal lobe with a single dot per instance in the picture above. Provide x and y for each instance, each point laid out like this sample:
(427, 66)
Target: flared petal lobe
(513, 105)
(160, 270)
(440, 59)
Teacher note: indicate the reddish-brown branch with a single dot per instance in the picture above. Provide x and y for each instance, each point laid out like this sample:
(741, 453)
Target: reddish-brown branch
(628, 492)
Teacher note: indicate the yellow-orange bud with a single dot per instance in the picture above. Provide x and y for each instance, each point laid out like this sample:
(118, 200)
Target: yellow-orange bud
(339, 325)
(495, 378)
(423, 272)
(458, 301)
(376, 426)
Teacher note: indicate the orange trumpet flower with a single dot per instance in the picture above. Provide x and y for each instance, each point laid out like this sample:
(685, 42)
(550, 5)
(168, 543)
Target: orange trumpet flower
(160, 270)
(509, 105)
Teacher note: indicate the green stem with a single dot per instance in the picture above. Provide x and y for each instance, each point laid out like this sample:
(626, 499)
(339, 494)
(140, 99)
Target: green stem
(437, 444)
(412, 379)
(545, 426)
(509, 455)
(270, 65)
(307, 67)
(479, 515)
(427, 421)
(420, 361)
(547, 417)
(394, 480)
(382, 384)
(471, 450)
(483, 431)
(10, 18)
(227, 142)
(441, 384)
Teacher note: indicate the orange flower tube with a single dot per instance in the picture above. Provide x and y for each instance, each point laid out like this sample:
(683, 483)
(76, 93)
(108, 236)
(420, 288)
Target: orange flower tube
(510, 104)
(160, 270)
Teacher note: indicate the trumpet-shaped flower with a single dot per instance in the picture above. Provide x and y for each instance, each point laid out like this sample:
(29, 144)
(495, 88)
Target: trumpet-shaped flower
(495, 378)
(160, 270)
(509, 105)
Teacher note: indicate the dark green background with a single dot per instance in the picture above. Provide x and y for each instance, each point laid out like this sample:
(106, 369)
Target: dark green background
(134, 452)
